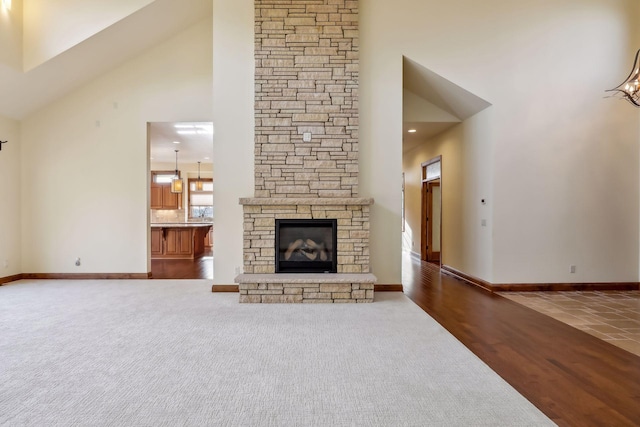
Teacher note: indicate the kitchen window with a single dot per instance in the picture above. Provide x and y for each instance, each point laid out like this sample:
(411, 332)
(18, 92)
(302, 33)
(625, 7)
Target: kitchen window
(201, 201)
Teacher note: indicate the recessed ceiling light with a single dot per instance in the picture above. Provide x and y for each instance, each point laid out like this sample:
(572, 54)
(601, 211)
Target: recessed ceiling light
(411, 131)
(176, 142)
(194, 128)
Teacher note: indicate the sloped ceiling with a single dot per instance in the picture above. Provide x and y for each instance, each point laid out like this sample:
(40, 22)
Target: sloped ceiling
(432, 104)
(26, 92)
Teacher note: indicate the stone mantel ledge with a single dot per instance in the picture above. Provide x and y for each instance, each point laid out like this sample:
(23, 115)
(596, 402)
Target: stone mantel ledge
(291, 201)
(307, 278)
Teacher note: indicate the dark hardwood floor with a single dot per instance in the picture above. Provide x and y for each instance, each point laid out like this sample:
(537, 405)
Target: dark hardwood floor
(571, 376)
(200, 268)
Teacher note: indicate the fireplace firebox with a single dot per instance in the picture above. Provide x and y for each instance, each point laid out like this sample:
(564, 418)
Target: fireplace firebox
(306, 246)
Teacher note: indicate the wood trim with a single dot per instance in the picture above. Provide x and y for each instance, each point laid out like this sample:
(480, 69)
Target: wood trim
(430, 161)
(8, 279)
(424, 189)
(466, 278)
(424, 245)
(388, 288)
(431, 254)
(86, 276)
(225, 288)
(540, 287)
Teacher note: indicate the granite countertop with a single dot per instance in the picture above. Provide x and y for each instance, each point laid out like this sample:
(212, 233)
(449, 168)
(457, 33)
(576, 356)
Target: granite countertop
(181, 224)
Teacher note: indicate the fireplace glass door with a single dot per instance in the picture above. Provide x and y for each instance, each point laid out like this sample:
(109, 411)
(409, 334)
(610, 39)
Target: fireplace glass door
(306, 246)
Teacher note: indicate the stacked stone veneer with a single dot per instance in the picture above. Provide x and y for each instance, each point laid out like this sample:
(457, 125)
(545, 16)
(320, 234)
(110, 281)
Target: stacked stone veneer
(306, 54)
(314, 288)
(352, 232)
(306, 75)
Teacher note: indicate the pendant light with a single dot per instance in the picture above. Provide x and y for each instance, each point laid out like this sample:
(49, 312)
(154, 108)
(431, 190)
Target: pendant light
(199, 183)
(630, 88)
(176, 182)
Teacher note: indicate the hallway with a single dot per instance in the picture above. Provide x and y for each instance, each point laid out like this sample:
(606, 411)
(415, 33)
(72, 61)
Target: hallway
(573, 377)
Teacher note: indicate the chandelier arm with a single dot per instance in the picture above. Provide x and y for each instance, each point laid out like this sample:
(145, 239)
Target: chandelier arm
(632, 100)
(633, 70)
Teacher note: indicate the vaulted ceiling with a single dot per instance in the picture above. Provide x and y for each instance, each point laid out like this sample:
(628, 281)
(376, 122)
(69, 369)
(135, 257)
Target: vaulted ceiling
(432, 104)
(24, 92)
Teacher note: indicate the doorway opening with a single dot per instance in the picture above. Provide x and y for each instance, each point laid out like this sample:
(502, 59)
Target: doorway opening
(181, 207)
(431, 218)
(434, 112)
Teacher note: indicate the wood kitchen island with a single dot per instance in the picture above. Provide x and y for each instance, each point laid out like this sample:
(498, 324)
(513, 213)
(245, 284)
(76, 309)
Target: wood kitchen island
(178, 240)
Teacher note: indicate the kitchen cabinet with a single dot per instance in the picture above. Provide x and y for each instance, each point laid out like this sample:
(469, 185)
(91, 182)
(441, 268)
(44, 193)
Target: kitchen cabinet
(161, 195)
(178, 241)
(170, 200)
(208, 239)
(156, 241)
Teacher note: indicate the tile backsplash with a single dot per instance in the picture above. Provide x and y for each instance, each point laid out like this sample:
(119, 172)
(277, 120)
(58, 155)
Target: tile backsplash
(163, 216)
(169, 215)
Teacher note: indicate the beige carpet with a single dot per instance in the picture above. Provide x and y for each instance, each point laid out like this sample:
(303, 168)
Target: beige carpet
(171, 353)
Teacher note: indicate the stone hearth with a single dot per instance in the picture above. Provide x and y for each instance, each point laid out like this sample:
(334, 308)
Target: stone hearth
(306, 149)
(306, 288)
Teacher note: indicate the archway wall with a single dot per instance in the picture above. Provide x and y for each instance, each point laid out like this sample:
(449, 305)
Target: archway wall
(556, 162)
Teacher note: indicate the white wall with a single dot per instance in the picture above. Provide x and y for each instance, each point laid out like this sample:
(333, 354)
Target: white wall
(557, 162)
(51, 27)
(10, 212)
(85, 158)
(233, 143)
(380, 134)
(477, 165)
(11, 35)
(566, 169)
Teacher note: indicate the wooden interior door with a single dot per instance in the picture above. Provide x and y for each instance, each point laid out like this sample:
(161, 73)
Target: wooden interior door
(431, 221)
(434, 201)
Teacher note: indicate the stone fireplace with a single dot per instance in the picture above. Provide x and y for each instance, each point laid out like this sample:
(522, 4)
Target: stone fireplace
(306, 246)
(306, 158)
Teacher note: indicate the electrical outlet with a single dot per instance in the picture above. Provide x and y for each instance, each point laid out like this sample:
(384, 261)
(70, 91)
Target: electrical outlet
(238, 270)
(483, 222)
(306, 136)
(6, 263)
(572, 269)
(78, 262)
